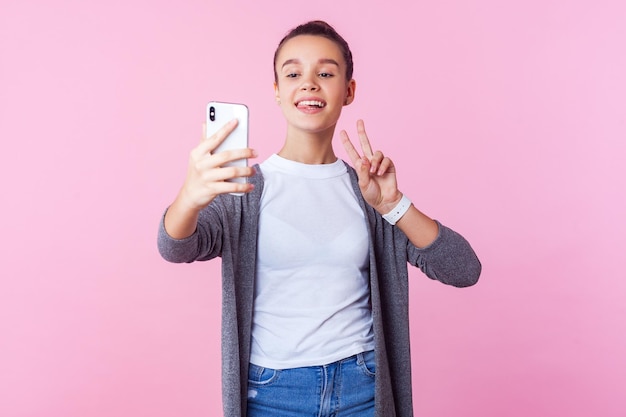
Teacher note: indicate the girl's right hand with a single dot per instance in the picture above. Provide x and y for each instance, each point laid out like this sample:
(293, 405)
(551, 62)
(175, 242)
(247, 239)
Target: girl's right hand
(206, 179)
(206, 175)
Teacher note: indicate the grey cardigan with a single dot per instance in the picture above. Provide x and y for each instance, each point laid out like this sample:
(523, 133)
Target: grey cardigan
(228, 228)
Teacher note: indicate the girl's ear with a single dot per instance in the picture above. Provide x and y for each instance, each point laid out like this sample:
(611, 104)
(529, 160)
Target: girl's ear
(276, 93)
(350, 92)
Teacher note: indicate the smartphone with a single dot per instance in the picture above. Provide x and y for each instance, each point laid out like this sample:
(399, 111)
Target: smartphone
(217, 115)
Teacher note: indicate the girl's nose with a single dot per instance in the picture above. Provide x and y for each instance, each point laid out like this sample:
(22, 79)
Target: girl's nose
(309, 84)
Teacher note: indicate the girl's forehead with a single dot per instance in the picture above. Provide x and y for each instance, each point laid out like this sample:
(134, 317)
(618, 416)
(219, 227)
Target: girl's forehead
(309, 46)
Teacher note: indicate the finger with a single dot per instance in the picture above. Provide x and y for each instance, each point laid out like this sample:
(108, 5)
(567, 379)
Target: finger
(203, 149)
(208, 144)
(349, 147)
(375, 161)
(208, 166)
(362, 168)
(365, 143)
(386, 166)
(226, 187)
(226, 173)
(231, 173)
(203, 146)
(218, 137)
(222, 158)
(361, 165)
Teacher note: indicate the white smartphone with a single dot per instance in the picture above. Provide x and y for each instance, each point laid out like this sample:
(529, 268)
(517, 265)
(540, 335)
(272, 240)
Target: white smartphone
(217, 115)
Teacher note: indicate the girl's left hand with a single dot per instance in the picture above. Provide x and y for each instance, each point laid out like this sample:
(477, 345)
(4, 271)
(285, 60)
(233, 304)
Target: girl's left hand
(376, 172)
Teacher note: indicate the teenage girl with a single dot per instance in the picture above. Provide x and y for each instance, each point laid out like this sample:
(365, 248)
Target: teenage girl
(314, 254)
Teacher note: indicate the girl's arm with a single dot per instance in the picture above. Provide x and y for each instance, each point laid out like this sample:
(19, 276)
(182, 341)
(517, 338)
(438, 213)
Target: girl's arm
(418, 227)
(439, 251)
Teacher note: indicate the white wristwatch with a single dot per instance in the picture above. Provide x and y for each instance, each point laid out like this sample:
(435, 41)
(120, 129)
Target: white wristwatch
(398, 211)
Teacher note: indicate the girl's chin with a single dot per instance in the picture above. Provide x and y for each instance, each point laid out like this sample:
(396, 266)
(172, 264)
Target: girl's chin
(312, 122)
(314, 128)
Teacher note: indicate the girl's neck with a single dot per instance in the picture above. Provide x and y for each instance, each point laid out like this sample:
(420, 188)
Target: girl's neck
(309, 148)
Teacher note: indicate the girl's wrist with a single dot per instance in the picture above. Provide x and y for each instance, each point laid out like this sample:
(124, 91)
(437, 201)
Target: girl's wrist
(187, 203)
(397, 210)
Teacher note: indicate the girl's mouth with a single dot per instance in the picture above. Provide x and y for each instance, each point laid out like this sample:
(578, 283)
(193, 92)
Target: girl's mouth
(307, 104)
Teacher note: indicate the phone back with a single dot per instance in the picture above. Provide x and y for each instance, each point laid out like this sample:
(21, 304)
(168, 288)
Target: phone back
(217, 115)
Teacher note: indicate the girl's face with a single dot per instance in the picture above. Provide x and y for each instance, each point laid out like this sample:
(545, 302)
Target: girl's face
(312, 87)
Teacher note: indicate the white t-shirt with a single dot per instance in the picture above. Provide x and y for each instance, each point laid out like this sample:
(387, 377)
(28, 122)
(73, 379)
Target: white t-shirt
(312, 297)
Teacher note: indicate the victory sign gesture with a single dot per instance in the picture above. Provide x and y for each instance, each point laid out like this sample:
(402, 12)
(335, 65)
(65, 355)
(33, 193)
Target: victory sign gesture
(379, 186)
(376, 172)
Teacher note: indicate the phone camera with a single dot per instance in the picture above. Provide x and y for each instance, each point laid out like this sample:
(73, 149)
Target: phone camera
(212, 113)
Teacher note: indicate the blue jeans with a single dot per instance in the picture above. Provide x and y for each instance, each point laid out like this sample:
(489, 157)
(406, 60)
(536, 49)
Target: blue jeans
(344, 388)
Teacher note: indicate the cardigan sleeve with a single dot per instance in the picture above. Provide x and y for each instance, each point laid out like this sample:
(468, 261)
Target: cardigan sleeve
(204, 244)
(449, 259)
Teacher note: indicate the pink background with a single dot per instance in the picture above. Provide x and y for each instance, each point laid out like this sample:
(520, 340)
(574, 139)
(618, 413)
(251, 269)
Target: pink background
(506, 120)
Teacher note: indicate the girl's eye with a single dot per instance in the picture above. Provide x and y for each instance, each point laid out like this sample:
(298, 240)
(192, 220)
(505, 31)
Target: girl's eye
(291, 75)
(325, 75)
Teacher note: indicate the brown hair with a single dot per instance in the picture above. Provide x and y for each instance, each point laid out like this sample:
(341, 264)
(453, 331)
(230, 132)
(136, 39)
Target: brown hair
(323, 29)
